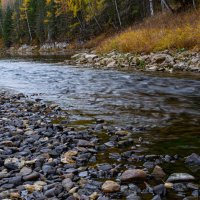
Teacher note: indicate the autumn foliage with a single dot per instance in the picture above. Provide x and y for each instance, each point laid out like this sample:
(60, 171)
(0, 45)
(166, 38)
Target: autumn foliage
(163, 31)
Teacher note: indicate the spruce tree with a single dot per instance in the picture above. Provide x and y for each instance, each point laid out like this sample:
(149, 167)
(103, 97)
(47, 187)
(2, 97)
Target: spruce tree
(7, 27)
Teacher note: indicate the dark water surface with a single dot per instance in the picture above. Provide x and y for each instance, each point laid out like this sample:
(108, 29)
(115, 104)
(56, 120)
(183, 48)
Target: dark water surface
(167, 105)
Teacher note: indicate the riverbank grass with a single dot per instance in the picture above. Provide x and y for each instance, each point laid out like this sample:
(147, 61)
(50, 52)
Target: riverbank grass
(164, 31)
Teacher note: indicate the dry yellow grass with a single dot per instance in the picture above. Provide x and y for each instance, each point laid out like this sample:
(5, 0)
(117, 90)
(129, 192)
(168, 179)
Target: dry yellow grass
(164, 31)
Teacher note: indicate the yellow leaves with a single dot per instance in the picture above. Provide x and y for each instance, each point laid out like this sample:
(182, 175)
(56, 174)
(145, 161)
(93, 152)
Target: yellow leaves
(90, 8)
(48, 2)
(49, 14)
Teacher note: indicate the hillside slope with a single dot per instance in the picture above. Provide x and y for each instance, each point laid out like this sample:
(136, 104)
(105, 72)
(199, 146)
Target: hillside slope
(163, 31)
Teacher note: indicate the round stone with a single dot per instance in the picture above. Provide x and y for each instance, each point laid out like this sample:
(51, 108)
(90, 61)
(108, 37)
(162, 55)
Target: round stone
(110, 187)
(133, 175)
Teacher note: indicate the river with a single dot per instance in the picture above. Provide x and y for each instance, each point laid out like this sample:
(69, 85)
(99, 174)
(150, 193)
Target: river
(168, 106)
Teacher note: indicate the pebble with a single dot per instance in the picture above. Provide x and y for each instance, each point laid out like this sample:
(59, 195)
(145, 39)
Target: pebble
(85, 143)
(13, 163)
(133, 175)
(31, 177)
(41, 159)
(110, 187)
(180, 177)
(158, 173)
(193, 159)
(67, 184)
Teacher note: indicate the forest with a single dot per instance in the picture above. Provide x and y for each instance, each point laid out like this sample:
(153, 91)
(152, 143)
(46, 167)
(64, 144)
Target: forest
(40, 21)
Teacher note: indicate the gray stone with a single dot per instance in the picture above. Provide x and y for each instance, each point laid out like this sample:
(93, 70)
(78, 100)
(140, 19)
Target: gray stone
(159, 190)
(133, 175)
(133, 197)
(32, 177)
(67, 184)
(193, 159)
(179, 177)
(158, 173)
(13, 163)
(84, 143)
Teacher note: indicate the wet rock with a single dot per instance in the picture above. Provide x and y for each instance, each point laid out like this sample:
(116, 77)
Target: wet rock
(67, 184)
(169, 185)
(180, 177)
(159, 190)
(14, 195)
(123, 133)
(83, 174)
(160, 58)
(157, 197)
(192, 186)
(32, 188)
(15, 180)
(179, 187)
(3, 174)
(103, 198)
(190, 198)
(133, 175)
(94, 196)
(158, 173)
(53, 192)
(110, 187)
(31, 177)
(134, 188)
(193, 159)
(104, 167)
(13, 163)
(73, 190)
(48, 169)
(115, 156)
(84, 143)
(133, 197)
(7, 143)
(110, 144)
(149, 165)
(196, 193)
(25, 171)
(67, 158)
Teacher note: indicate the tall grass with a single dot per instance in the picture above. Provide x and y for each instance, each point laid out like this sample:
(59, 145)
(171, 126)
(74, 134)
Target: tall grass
(163, 31)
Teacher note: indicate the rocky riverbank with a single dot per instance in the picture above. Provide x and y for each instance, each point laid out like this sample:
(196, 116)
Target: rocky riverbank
(167, 61)
(53, 48)
(43, 157)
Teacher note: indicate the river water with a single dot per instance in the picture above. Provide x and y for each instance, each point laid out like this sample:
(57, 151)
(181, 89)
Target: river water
(168, 106)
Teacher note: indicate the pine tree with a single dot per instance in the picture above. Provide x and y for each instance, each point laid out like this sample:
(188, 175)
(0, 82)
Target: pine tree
(7, 27)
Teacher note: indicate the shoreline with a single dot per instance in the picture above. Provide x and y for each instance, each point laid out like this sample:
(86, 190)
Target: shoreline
(42, 159)
(163, 61)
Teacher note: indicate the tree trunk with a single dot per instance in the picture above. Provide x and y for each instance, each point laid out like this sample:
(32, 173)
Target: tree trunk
(194, 4)
(29, 29)
(79, 22)
(151, 7)
(162, 6)
(118, 15)
(167, 5)
(96, 20)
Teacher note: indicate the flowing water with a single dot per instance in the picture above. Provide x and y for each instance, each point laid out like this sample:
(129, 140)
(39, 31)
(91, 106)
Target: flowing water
(168, 106)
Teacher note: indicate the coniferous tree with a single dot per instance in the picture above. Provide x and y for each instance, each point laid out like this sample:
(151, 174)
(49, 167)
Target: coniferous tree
(7, 27)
